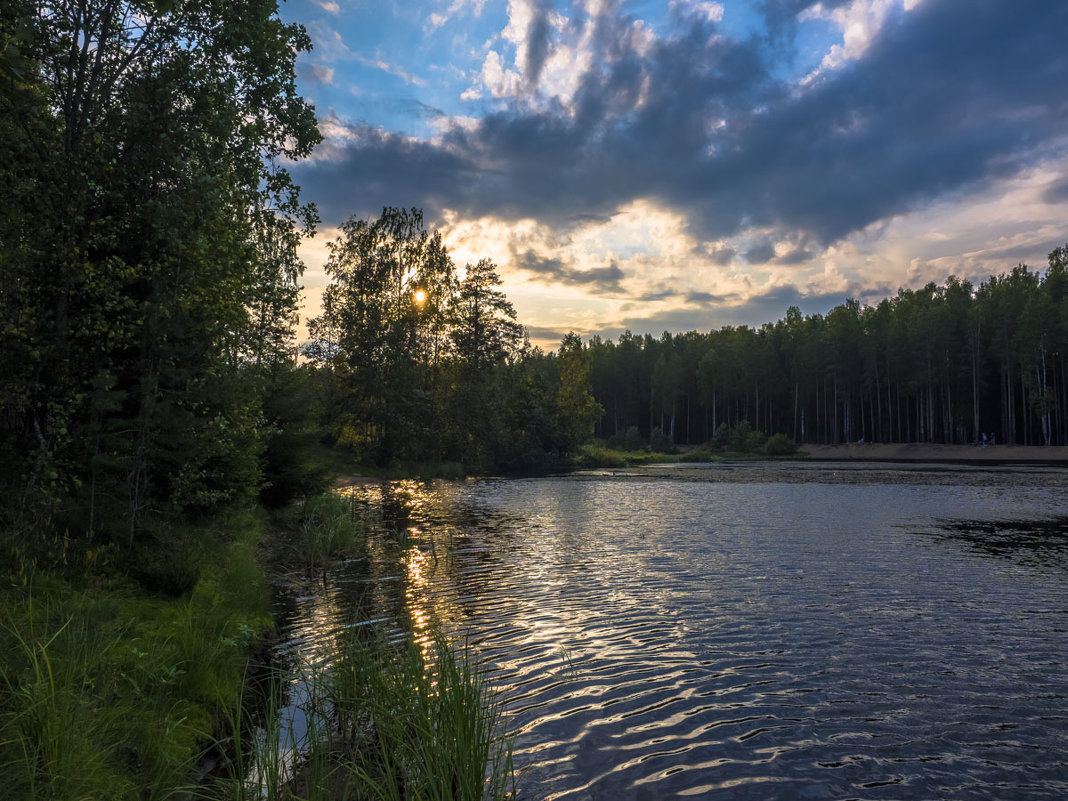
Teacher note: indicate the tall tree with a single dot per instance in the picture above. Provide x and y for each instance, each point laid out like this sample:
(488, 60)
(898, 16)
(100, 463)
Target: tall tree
(392, 284)
(576, 408)
(148, 245)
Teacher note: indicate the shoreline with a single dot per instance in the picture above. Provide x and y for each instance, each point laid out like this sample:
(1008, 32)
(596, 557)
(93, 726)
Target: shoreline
(924, 452)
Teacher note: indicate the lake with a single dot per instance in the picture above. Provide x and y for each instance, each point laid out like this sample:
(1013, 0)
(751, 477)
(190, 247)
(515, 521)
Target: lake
(761, 631)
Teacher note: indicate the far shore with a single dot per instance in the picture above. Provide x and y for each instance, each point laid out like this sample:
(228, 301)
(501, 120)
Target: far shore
(923, 452)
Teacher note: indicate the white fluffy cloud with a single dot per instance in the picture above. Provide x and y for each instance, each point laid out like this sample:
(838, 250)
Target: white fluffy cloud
(859, 21)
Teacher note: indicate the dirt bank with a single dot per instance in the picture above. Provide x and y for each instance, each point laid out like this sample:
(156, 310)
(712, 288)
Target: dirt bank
(919, 452)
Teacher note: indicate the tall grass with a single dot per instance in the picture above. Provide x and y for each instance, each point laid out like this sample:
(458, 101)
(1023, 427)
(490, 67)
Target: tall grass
(52, 735)
(422, 725)
(386, 722)
(326, 527)
(109, 690)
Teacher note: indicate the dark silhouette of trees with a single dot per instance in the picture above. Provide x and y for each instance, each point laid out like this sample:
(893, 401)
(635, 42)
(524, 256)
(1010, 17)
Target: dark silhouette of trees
(938, 364)
(417, 365)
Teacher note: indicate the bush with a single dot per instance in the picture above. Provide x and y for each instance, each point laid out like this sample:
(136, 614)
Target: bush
(632, 440)
(780, 445)
(721, 436)
(659, 442)
(739, 437)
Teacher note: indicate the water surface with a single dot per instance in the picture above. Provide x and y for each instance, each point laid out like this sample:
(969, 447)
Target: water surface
(742, 632)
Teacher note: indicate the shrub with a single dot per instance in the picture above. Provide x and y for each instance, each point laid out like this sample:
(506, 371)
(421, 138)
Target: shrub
(659, 442)
(632, 440)
(780, 445)
(739, 437)
(721, 436)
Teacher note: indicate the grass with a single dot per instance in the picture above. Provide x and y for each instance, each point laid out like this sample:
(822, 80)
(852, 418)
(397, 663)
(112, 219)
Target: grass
(326, 527)
(423, 724)
(596, 454)
(109, 690)
(116, 685)
(386, 722)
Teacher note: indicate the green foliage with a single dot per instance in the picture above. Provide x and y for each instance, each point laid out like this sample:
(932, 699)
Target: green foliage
(936, 364)
(659, 442)
(632, 439)
(722, 435)
(148, 250)
(593, 454)
(741, 437)
(380, 341)
(290, 460)
(327, 527)
(576, 409)
(417, 367)
(780, 445)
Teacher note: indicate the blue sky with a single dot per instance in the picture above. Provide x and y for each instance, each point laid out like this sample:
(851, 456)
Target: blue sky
(691, 164)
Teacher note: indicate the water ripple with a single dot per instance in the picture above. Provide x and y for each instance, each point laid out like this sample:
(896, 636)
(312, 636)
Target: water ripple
(657, 638)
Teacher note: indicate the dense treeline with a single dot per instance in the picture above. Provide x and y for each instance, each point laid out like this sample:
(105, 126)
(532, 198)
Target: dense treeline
(419, 364)
(148, 267)
(941, 364)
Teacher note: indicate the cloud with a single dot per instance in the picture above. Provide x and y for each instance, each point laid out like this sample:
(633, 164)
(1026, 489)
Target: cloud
(329, 6)
(859, 21)
(1057, 192)
(330, 46)
(317, 73)
(604, 280)
(549, 337)
(433, 22)
(953, 96)
(710, 12)
(760, 253)
(379, 63)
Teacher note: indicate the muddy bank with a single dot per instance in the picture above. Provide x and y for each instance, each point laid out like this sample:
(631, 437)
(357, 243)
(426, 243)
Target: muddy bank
(920, 452)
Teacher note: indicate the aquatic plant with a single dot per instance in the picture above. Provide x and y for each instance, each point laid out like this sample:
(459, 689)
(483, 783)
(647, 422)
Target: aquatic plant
(326, 527)
(423, 724)
(385, 721)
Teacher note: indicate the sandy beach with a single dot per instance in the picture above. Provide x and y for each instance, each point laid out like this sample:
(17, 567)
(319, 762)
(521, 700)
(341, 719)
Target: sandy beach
(921, 452)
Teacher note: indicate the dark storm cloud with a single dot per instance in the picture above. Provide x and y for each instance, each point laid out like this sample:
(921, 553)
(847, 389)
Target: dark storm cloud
(538, 42)
(601, 280)
(657, 295)
(542, 333)
(703, 298)
(707, 311)
(948, 97)
(795, 256)
(722, 255)
(382, 169)
(760, 253)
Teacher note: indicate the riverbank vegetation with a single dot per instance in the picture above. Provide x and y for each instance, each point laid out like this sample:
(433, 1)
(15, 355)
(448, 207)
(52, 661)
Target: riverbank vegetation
(112, 690)
(151, 403)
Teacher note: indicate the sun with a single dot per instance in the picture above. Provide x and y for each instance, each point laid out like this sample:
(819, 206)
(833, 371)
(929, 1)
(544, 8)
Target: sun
(419, 296)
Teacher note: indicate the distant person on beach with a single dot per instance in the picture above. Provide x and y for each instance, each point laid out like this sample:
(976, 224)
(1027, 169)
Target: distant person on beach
(984, 439)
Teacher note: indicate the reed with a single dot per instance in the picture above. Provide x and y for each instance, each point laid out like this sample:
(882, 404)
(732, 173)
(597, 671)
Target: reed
(54, 736)
(385, 721)
(326, 528)
(422, 725)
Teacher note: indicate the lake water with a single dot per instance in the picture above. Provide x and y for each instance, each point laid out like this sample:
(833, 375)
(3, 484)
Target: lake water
(758, 631)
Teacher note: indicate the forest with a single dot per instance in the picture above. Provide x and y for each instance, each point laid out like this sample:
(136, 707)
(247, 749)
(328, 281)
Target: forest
(941, 364)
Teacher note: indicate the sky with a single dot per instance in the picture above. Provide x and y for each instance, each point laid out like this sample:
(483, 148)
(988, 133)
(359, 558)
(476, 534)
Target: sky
(686, 164)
